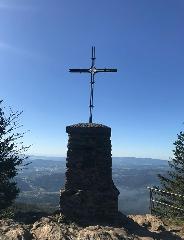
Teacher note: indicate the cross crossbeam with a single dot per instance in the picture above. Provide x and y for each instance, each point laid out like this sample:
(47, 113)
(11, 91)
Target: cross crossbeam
(92, 70)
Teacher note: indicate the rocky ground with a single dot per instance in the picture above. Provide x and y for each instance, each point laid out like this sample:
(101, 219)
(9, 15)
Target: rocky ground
(140, 227)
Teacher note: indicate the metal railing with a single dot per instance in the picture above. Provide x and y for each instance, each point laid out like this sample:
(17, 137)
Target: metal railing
(156, 191)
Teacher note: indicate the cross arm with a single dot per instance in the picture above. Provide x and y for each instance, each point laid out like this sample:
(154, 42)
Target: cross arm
(78, 70)
(106, 70)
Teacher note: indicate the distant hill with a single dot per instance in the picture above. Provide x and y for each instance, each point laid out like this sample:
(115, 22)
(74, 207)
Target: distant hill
(127, 161)
(41, 161)
(33, 157)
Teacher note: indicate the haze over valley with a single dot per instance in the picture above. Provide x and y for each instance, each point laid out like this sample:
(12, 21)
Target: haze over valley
(42, 179)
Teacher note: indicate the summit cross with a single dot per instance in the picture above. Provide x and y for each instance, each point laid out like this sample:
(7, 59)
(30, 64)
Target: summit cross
(92, 70)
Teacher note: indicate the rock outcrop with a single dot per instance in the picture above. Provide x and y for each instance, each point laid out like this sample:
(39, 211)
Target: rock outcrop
(134, 227)
(10, 230)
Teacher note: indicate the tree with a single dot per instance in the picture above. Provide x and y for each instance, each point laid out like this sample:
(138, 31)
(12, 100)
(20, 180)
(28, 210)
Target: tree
(173, 181)
(12, 155)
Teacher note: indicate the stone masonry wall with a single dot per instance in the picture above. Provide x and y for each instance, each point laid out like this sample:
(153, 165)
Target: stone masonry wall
(89, 191)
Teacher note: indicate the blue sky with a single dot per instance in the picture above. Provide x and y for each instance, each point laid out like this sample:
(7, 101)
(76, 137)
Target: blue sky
(143, 102)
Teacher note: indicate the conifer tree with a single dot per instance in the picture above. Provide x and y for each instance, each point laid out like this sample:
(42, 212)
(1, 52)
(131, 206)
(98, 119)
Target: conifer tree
(173, 181)
(12, 155)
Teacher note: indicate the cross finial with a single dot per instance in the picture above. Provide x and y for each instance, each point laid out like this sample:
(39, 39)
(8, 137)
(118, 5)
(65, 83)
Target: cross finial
(92, 70)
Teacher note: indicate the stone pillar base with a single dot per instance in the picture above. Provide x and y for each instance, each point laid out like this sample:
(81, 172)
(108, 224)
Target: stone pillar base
(89, 191)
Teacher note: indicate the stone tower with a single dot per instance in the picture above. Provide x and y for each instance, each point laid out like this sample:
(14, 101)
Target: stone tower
(89, 192)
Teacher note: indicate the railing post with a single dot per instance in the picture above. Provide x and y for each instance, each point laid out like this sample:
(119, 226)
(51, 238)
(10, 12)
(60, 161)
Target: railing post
(151, 203)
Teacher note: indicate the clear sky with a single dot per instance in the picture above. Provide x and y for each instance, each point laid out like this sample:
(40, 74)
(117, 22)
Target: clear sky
(143, 102)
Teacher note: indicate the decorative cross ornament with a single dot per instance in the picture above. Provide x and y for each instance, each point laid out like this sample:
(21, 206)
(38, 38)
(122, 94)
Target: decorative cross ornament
(92, 70)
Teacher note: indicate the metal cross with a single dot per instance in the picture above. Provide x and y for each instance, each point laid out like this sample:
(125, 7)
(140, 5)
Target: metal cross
(92, 70)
